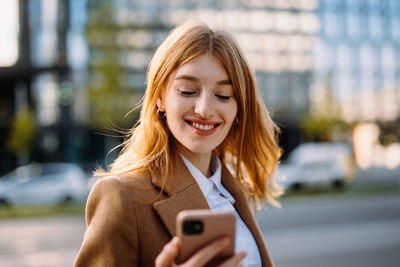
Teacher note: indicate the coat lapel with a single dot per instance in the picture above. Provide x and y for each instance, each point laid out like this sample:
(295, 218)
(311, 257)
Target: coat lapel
(184, 195)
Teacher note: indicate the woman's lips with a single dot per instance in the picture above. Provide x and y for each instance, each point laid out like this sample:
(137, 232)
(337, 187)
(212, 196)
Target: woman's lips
(203, 128)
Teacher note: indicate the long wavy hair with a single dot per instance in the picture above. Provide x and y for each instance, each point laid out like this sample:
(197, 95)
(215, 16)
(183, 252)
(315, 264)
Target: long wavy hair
(250, 149)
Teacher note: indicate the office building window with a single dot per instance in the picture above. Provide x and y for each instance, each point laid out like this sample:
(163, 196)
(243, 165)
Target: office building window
(395, 29)
(332, 25)
(353, 26)
(367, 60)
(9, 27)
(375, 27)
(388, 57)
(44, 47)
(43, 23)
(345, 58)
(46, 94)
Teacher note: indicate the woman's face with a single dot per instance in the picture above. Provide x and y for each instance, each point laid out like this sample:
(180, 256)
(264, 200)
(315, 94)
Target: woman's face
(199, 104)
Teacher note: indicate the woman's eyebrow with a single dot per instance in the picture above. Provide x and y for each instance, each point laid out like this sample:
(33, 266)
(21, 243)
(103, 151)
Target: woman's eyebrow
(187, 77)
(224, 82)
(195, 79)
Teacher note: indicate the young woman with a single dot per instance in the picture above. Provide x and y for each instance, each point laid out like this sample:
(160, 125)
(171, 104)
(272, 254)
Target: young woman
(204, 141)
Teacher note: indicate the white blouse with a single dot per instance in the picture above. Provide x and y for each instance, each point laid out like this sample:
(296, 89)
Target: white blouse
(219, 198)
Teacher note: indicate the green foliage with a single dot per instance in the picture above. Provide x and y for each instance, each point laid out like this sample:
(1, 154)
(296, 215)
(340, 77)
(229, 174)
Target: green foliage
(322, 128)
(13, 212)
(22, 132)
(109, 97)
(325, 123)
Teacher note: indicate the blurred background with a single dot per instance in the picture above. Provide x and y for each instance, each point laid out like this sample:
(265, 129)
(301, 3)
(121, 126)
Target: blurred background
(328, 70)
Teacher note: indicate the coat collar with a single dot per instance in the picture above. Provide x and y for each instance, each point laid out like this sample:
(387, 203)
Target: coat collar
(186, 194)
(182, 180)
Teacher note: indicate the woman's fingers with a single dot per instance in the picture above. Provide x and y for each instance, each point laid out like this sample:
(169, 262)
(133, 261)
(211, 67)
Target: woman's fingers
(236, 260)
(205, 254)
(168, 253)
(202, 257)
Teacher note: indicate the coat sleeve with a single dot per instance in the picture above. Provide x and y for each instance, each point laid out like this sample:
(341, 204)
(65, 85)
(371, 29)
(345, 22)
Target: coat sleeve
(111, 236)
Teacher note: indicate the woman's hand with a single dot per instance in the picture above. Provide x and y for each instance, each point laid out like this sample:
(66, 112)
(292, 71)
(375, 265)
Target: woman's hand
(200, 258)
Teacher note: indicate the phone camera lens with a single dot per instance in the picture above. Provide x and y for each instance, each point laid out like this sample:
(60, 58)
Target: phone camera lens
(192, 227)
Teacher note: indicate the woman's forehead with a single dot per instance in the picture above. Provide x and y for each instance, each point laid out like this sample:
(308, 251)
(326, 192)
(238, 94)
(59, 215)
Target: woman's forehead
(205, 66)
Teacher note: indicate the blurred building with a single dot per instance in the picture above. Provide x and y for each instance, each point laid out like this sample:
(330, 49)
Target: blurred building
(80, 64)
(335, 60)
(356, 75)
(356, 57)
(42, 58)
(276, 36)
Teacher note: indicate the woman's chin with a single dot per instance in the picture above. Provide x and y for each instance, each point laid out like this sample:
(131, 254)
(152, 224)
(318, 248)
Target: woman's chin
(199, 149)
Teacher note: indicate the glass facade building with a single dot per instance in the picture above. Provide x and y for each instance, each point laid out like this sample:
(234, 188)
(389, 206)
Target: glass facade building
(358, 55)
(37, 121)
(82, 63)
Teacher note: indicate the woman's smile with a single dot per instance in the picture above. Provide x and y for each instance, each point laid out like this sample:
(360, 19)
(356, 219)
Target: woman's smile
(202, 128)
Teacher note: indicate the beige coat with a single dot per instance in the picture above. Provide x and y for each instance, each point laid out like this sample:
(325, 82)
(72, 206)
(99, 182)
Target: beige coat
(126, 228)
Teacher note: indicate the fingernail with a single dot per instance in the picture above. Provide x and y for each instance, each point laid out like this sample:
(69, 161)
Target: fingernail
(243, 253)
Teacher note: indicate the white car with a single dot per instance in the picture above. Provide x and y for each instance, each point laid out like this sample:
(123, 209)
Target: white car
(44, 184)
(317, 164)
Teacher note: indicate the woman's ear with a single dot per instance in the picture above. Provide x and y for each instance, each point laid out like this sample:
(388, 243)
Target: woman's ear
(160, 105)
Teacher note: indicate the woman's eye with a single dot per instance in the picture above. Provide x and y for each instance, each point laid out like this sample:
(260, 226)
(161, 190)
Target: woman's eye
(187, 93)
(223, 97)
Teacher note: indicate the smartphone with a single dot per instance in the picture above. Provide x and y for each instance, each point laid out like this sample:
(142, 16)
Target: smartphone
(198, 228)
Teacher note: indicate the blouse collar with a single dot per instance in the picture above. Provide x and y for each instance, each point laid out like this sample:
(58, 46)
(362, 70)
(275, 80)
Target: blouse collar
(207, 184)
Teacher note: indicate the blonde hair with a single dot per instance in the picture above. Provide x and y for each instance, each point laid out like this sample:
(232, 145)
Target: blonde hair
(250, 148)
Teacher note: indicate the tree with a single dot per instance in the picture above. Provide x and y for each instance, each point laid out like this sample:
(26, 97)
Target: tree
(324, 123)
(22, 134)
(109, 97)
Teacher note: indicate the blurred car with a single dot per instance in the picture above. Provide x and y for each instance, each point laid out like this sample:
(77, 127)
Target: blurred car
(44, 184)
(317, 164)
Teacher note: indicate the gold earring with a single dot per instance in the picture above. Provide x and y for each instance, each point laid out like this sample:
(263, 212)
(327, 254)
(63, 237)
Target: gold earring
(161, 114)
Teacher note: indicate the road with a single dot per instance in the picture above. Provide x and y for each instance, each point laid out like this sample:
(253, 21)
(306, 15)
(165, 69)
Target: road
(40, 241)
(306, 231)
(351, 231)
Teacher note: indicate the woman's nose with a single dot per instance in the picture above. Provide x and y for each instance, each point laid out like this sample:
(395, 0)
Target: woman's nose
(203, 106)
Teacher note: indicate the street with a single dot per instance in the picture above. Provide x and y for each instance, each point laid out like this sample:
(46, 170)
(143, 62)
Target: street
(351, 231)
(362, 230)
(40, 241)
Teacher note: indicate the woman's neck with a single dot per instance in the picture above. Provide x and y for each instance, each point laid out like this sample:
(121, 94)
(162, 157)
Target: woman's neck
(200, 160)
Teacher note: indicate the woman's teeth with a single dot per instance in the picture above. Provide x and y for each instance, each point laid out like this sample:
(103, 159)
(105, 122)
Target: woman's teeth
(202, 126)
